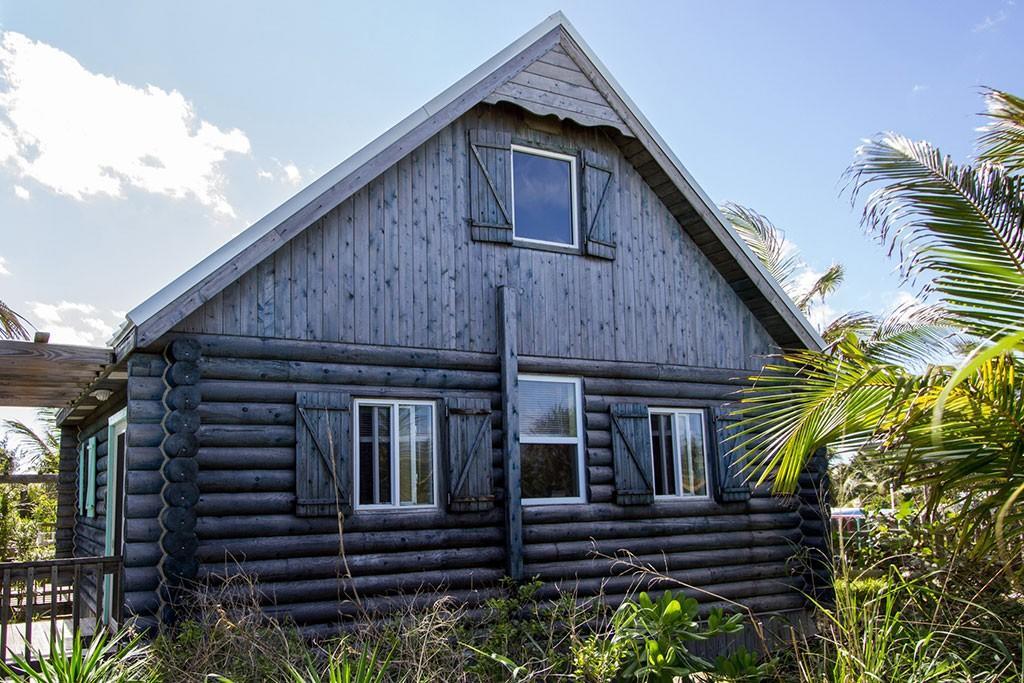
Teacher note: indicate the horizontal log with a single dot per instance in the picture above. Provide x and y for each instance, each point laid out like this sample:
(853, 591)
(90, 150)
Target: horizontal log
(332, 610)
(141, 579)
(601, 475)
(288, 524)
(365, 354)
(246, 457)
(573, 551)
(141, 602)
(145, 435)
(282, 392)
(599, 457)
(283, 593)
(274, 547)
(666, 561)
(706, 582)
(547, 533)
(141, 554)
(357, 565)
(316, 351)
(246, 435)
(146, 410)
(337, 373)
(683, 507)
(247, 413)
(599, 438)
(624, 389)
(246, 481)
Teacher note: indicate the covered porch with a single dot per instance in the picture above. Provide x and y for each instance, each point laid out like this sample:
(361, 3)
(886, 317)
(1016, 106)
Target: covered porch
(43, 603)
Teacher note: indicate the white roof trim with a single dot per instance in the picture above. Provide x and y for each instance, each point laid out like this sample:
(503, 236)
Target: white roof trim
(168, 294)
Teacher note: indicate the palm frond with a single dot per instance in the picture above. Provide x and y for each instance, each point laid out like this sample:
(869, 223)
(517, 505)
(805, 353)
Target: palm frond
(823, 286)
(915, 335)
(1002, 140)
(962, 226)
(12, 325)
(766, 241)
(858, 323)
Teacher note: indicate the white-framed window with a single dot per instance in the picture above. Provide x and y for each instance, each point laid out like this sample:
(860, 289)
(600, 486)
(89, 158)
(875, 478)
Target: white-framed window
(679, 447)
(551, 439)
(544, 205)
(395, 463)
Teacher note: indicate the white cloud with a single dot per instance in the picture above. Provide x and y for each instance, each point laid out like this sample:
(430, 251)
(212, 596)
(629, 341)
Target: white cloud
(22, 193)
(918, 87)
(291, 173)
(287, 173)
(84, 134)
(990, 22)
(69, 322)
(3, 266)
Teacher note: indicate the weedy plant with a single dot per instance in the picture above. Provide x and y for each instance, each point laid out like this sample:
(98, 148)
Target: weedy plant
(654, 633)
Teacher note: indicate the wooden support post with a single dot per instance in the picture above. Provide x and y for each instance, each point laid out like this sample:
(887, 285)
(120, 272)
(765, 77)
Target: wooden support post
(508, 315)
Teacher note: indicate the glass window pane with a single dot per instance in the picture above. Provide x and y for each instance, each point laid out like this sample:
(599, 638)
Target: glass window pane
(547, 408)
(693, 456)
(542, 190)
(663, 446)
(415, 454)
(374, 455)
(549, 470)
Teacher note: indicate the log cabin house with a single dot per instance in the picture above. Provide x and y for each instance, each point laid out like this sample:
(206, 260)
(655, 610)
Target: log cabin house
(500, 340)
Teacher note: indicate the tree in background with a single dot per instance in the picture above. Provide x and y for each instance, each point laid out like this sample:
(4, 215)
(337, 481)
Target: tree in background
(28, 513)
(956, 430)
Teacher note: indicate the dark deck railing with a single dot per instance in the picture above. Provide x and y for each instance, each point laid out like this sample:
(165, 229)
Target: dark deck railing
(66, 595)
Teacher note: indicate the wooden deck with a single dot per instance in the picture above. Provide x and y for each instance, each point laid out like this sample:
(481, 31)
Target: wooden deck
(43, 603)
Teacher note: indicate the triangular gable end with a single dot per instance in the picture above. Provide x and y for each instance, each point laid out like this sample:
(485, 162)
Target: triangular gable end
(555, 84)
(550, 70)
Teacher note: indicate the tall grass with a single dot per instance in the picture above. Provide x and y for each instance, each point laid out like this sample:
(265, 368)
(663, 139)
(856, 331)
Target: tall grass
(890, 624)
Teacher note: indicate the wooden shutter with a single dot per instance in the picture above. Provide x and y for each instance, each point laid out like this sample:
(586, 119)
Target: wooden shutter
(631, 452)
(323, 447)
(732, 486)
(470, 479)
(90, 485)
(490, 185)
(597, 203)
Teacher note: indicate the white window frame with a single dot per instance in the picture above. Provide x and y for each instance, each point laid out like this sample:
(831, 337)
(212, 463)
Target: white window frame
(578, 440)
(117, 424)
(573, 192)
(395, 405)
(677, 452)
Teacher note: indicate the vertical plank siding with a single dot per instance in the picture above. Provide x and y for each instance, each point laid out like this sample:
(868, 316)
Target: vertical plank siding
(408, 273)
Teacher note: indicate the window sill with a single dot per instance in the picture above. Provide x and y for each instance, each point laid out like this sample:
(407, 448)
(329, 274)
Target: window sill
(545, 246)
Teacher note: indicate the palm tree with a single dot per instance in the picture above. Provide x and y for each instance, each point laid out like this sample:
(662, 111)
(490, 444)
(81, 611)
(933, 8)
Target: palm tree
(39, 448)
(783, 262)
(959, 429)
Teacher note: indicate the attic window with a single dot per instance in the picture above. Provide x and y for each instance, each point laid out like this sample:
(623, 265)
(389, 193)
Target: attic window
(543, 197)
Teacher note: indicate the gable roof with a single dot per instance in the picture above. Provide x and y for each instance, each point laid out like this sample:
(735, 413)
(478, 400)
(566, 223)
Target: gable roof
(493, 81)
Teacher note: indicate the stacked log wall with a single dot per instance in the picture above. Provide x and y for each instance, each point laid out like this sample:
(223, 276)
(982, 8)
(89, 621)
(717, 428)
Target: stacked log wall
(246, 522)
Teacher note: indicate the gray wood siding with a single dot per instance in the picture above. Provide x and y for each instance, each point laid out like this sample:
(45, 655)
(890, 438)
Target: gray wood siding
(395, 265)
(246, 512)
(555, 84)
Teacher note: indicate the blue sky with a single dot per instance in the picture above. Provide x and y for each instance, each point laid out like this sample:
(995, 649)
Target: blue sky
(233, 106)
